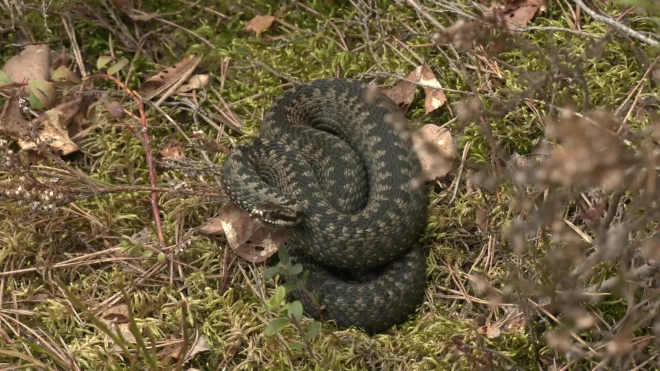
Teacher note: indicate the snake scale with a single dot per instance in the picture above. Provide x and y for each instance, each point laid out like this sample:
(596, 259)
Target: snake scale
(335, 166)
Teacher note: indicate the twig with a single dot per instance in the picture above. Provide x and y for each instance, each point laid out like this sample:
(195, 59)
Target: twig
(561, 29)
(634, 275)
(616, 25)
(426, 15)
(147, 147)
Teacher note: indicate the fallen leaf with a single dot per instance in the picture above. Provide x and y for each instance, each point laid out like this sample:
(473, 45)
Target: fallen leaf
(51, 129)
(259, 23)
(493, 332)
(435, 148)
(246, 237)
(116, 314)
(44, 91)
(200, 345)
(173, 149)
(32, 63)
(4, 78)
(12, 121)
(122, 329)
(63, 74)
(193, 83)
(160, 82)
(435, 96)
(117, 66)
(70, 116)
(404, 92)
(518, 13)
(103, 60)
(78, 121)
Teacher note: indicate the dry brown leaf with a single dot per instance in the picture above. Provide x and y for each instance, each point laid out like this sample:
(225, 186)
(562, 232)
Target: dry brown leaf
(259, 23)
(31, 64)
(124, 330)
(435, 96)
(200, 345)
(493, 332)
(165, 76)
(116, 314)
(435, 148)
(53, 126)
(263, 244)
(193, 83)
(248, 238)
(212, 227)
(404, 92)
(517, 14)
(12, 121)
(51, 131)
(173, 149)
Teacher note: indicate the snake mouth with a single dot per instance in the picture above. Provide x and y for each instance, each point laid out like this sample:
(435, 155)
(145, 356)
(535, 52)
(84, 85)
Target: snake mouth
(277, 216)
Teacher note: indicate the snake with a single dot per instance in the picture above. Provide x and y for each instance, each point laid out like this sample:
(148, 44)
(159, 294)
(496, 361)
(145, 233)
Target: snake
(334, 166)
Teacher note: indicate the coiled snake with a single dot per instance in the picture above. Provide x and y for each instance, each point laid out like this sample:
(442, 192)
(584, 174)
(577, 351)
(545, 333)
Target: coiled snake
(334, 164)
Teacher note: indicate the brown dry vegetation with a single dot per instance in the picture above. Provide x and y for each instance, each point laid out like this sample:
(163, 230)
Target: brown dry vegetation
(543, 242)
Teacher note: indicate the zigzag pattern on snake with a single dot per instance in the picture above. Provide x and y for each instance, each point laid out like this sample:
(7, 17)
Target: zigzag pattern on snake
(335, 166)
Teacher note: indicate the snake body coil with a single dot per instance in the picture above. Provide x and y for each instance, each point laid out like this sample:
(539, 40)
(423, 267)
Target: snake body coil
(334, 164)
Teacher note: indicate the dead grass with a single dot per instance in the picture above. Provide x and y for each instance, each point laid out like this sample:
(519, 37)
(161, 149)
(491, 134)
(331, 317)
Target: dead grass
(519, 241)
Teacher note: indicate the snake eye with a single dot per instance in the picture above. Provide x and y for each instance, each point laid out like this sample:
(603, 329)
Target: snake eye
(277, 216)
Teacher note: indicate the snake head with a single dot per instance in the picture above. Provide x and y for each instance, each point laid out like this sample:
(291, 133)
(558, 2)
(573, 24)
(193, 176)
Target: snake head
(276, 216)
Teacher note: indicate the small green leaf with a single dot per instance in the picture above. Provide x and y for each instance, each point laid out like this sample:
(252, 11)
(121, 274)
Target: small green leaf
(4, 78)
(147, 253)
(117, 66)
(290, 286)
(162, 258)
(297, 346)
(295, 269)
(44, 91)
(103, 60)
(295, 310)
(313, 329)
(276, 326)
(280, 293)
(64, 74)
(283, 254)
(272, 271)
(35, 103)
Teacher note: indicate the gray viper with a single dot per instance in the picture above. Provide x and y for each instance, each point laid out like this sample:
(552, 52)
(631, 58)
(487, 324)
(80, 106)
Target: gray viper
(334, 165)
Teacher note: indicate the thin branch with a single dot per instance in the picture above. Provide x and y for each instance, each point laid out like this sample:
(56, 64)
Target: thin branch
(616, 25)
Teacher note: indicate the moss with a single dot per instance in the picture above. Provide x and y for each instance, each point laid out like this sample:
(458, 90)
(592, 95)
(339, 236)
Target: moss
(221, 295)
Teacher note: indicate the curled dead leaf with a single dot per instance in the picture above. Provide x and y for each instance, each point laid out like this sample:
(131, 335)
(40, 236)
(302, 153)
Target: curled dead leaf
(259, 23)
(163, 80)
(44, 92)
(173, 149)
(435, 149)
(404, 92)
(31, 64)
(55, 126)
(124, 330)
(195, 82)
(520, 12)
(12, 121)
(199, 345)
(51, 131)
(116, 314)
(248, 238)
